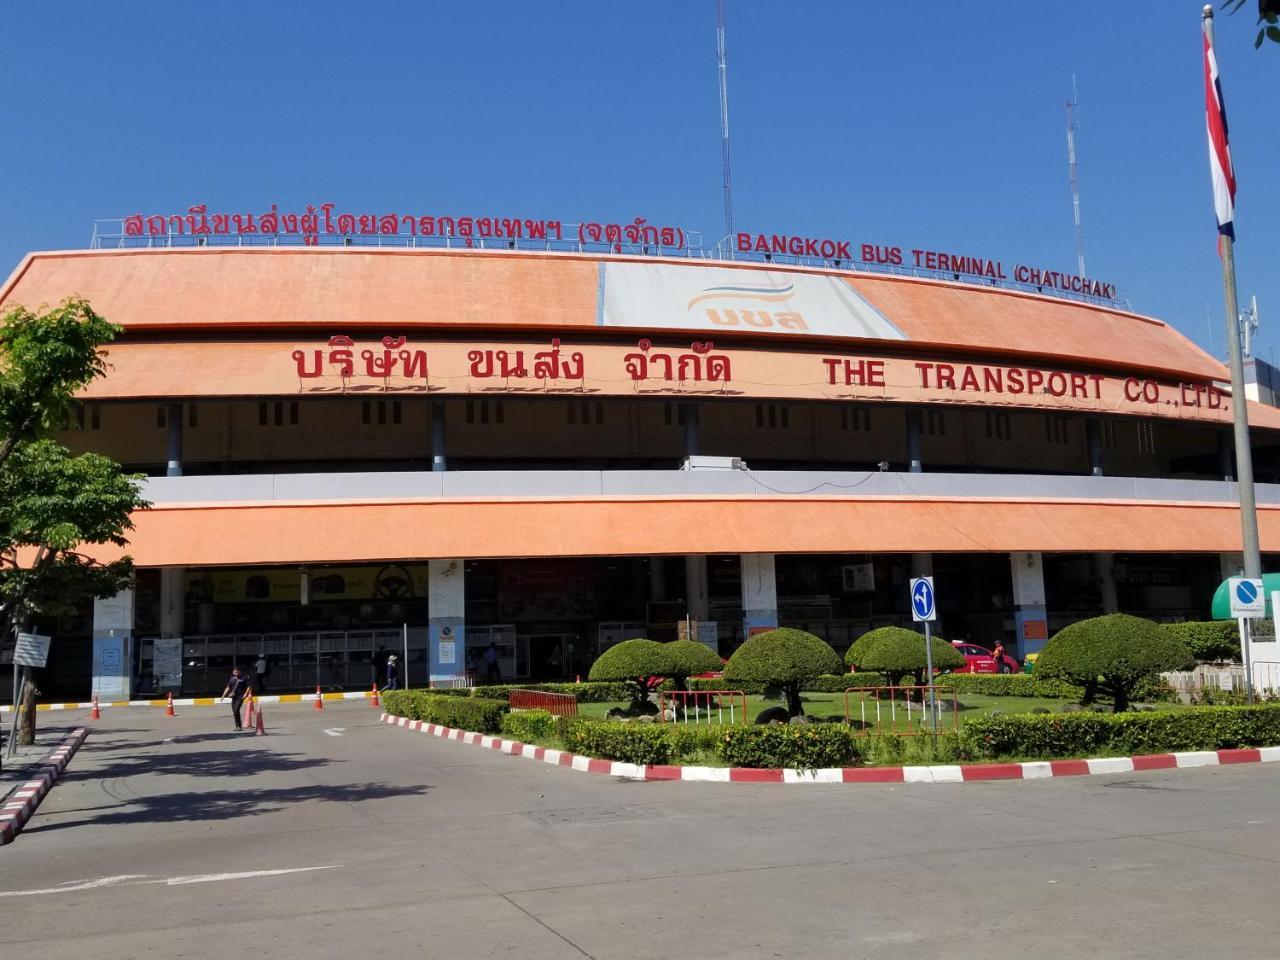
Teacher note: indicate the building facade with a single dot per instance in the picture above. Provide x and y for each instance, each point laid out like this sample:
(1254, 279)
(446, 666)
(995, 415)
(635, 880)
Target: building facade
(355, 450)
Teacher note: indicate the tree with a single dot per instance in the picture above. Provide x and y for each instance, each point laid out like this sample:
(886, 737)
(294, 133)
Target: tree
(53, 503)
(640, 664)
(898, 652)
(786, 658)
(690, 658)
(1268, 19)
(1112, 654)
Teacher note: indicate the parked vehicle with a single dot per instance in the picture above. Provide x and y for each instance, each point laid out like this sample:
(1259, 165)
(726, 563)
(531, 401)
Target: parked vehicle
(981, 660)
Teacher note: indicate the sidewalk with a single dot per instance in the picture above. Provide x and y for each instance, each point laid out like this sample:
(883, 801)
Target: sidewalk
(21, 767)
(6, 709)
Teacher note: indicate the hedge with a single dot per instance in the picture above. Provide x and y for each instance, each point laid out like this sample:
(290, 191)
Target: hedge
(464, 713)
(803, 746)
(593, 691)
(1043, 737)
(641, 743)
(1010, 685)
(529, 726)
(1208, 639)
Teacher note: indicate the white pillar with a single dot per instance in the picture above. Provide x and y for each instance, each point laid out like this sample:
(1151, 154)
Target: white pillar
(759, 593)
(1104, 566)
(1027, 571)
(113, 646)
(446, 612)
(695, 582)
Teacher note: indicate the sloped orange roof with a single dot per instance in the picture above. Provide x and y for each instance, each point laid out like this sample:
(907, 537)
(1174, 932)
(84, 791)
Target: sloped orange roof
(312, 532)
(345, 288)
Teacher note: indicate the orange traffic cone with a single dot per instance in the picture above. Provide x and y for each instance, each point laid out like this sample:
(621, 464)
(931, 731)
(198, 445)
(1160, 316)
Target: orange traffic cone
(168, 710)
(376, 702)
(248, 702)
(319, 698)
(97, 714)
(259, 730)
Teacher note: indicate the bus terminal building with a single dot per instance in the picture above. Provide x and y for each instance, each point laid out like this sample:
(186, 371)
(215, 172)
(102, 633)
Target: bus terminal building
(352, 448)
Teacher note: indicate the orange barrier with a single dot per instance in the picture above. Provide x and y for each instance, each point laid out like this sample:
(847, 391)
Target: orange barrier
(703, 706)
(901, 710)
(561, 704)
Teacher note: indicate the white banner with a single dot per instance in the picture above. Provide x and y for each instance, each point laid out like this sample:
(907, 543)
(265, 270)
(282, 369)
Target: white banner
(711, 299)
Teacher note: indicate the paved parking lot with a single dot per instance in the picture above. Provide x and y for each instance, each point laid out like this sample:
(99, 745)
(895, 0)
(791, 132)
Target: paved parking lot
(337, 836)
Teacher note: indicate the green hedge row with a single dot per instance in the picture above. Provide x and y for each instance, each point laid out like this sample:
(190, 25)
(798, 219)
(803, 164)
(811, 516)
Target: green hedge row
(1044, 737)
(1009, 685)
(464, 713)
(644, 743)
(807, 746)
(1208, 639)
(827, 683)
(529, 726)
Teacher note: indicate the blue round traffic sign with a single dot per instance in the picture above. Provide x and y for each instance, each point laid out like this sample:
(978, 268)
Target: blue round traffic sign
(1246, 591)
(922, 599)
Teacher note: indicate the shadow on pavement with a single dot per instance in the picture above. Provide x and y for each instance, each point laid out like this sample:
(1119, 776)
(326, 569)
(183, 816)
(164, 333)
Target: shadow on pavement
(227, 804)
(198, 763)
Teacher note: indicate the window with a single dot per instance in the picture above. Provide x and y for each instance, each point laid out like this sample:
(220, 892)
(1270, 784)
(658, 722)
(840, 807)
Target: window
(998, 426)
(161, 416)
(1057, 429)
(1108, 433)
(582, 411)
(378, 411)
(855, 418)
(191, 415)
(87, 412)
(1146, 436)
(478, 411)
(275, 413)
(935, 423)
(775, 416)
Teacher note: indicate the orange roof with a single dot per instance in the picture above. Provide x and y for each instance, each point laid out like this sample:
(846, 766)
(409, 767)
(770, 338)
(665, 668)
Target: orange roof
(274, 533)
(346, 288)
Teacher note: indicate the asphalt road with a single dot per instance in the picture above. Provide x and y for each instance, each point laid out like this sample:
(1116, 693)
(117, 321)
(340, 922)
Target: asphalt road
(170, 838)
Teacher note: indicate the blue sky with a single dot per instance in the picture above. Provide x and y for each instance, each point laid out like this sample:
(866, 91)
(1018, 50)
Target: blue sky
(930, 124)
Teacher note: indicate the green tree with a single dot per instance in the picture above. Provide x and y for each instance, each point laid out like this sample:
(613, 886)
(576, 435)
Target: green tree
(898, 652)
(640, 664)
(1268, 18)
(52, 503)
(1112, 655)
(785, 658)
(690, 658)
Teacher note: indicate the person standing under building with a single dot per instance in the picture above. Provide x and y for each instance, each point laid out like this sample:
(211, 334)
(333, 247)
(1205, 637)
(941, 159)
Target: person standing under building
(260, 667)
(493, 674)
(236, 688)
(392, 673)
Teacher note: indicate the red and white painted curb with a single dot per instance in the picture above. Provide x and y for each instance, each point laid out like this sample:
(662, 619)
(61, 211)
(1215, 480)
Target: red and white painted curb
(956, 773)
(22, 803)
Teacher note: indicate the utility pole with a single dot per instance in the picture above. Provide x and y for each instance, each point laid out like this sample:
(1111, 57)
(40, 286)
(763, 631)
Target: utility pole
(1073, 125)
(722, 68)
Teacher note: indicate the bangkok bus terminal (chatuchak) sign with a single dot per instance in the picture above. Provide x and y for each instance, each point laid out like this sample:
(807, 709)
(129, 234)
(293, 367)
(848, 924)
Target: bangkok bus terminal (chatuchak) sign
(314, 225)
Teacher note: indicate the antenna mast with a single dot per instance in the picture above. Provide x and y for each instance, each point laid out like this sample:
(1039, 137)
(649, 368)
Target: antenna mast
(724, 120)
(1249, 326)
(1072, 126)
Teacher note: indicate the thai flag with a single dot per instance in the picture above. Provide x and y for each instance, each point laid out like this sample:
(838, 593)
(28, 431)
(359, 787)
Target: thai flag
(1224, 177)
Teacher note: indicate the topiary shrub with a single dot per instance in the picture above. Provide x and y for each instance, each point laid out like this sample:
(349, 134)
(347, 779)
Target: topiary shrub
(897, 653)
(691, 657)
(529, 726)
(640, 664)
(858, 649)
(808, 747)
(1208, 639)
(786, 658)
(1112, 655)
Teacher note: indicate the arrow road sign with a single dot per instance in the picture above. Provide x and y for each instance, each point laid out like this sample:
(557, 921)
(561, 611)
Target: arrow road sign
(922, 607)
(1247, 599)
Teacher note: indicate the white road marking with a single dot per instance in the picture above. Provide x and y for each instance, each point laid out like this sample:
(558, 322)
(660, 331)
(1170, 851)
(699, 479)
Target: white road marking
(335, 731)
(244, 875)
(137, 879)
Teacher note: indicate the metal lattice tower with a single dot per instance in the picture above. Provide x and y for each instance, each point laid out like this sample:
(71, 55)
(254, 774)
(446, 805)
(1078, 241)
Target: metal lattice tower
(1073, 125)
(724, 120)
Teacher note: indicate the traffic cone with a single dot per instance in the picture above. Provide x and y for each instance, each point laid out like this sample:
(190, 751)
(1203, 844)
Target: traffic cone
(259, 730)
(376, 702)
(97, 714)
(248, 701)
(168, 710)
(319, 698)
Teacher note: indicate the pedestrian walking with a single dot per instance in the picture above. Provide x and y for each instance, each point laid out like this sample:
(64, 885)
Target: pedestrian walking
(260, 667)
(998, 656)
(493, 671)
(392, 673)
(237, 687)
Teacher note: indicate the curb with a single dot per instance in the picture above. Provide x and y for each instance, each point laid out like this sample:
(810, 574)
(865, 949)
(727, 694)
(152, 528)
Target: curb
(204, 701)
(22, 803)
(956, 773)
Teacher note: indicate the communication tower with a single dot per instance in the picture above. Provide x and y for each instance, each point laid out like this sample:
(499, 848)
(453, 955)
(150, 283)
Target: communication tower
(724, 121)
(1073, 126)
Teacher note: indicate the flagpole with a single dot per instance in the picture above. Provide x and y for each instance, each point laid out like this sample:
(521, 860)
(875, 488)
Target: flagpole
(1239, 403)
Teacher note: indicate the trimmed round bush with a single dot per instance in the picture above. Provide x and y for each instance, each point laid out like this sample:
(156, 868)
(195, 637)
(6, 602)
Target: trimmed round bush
(899, 653)
(1208, 639)
(785, 658)
(691, 657)
(1112, 655)
(635, 663)
(853, 656)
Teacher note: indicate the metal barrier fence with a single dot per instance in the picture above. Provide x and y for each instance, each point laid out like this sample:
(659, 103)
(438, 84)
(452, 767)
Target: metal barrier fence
(702, 706)
(560, 704)
(452, 683)
(900, 714)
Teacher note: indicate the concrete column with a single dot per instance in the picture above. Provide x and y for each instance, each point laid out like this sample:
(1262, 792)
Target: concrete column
(915, 426)
(1032, 622)
(438, 462)
(689, 411)
(1093, 436)
(113, 646)
(173, 420)
(759, 593)
(172, 601)
(658, 579)
(1230, 565)
(1104, 566)
(695, 582)
(1226, 456)
(446, 623)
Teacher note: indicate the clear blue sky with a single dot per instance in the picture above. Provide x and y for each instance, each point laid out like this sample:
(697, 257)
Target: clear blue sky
(924, 124)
